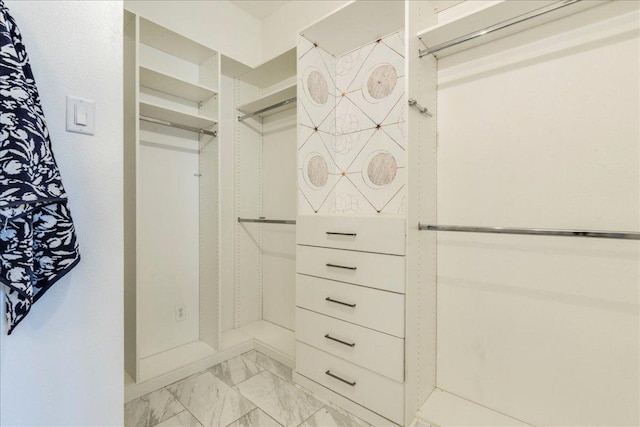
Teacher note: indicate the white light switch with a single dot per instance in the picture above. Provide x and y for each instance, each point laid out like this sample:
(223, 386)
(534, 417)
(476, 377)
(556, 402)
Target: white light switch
(81, 116)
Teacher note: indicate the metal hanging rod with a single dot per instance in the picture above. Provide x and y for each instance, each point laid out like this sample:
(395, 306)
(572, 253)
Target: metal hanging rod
(271, 107)
(496, 27)
(267, 221)
(423, 110)
(213, 133)
(622, 235)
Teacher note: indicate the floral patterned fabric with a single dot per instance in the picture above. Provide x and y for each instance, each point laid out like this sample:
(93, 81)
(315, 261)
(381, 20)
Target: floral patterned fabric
(37, 237)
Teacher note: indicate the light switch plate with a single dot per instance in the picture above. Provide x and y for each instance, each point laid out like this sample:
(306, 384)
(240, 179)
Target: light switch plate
(81, 116)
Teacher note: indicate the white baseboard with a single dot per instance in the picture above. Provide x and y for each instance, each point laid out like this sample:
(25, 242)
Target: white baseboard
(275, 342)
(135, 390)
(443, 409)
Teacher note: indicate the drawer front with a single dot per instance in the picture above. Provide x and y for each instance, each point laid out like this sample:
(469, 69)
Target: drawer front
(371, 308)
(371, 234)
(373, 391)
(365, 347)
(385, 272)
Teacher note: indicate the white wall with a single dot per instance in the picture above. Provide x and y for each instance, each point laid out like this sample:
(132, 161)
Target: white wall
(542, 129)
(279, 155)
(217, 24)
(168, 229)
(64, 364)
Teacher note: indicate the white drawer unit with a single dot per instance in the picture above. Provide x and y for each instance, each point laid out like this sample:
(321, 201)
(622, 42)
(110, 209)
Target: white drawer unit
(379, 271)
(370, 234)
(374, 391)
(371, 349)
(379, 310)
(350, 314)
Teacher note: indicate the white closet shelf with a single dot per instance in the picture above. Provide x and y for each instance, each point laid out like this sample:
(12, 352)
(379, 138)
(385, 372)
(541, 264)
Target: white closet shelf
(271, 98)
(171, 85)
(269, 72)
(172, 43)
(347, 28)
(486, 20)
(163, 113)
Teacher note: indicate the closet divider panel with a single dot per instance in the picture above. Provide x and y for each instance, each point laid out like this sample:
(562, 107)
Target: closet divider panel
(420, 345)
(209, 221)
(130, 159)
(248, 194)
(209, 224)
(541, 129)
(228, 218)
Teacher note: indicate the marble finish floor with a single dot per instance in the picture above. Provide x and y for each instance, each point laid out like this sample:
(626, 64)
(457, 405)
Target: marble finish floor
(250, 390)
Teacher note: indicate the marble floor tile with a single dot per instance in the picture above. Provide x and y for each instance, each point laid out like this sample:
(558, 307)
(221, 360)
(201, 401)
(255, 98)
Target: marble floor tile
(151, 409)
(333, 417)
(275, 367)
(236, 370)
(211, 400)
(251, 355)
(263, 382)
(281, 400)
(183, 419)
(256, 418)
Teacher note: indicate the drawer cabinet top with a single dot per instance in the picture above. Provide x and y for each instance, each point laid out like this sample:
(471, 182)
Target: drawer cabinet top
(380, 234)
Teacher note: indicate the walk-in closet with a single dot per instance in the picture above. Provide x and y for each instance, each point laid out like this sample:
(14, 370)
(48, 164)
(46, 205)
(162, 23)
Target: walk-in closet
(398, 213)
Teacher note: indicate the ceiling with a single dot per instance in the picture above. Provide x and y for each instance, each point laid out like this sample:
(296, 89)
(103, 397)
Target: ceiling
(259, 9)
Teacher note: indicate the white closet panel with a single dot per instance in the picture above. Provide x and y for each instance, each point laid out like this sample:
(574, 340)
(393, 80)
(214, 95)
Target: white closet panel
(168, 258)
(279, 155)
(248, 199)
(227, 209)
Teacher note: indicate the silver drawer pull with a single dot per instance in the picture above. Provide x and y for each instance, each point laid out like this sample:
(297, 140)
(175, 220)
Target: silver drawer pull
(341, 266)
(339, 302)
(350, 344)
(351, 383)
(335, 233)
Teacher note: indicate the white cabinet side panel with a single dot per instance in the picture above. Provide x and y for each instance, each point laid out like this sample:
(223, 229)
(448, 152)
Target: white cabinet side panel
(248, 193)
(228, 221)
(543, 130)
(209, 328)
(420, 351)
(130, 93)
(279, 153)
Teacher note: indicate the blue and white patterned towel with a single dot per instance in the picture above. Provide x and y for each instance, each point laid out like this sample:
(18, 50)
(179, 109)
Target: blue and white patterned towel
(37, 237)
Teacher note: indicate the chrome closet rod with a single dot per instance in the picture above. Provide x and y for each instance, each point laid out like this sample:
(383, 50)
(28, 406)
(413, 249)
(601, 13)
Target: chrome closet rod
(271, 107)
(499, 26)
(622, 235)
(179, 126)
(267, 221)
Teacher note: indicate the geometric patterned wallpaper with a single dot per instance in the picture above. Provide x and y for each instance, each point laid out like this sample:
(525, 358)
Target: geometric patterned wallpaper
(351, 129)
